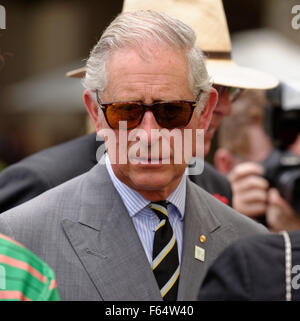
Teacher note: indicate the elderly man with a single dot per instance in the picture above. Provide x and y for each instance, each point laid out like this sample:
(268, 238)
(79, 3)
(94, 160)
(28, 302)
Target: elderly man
(135, 230)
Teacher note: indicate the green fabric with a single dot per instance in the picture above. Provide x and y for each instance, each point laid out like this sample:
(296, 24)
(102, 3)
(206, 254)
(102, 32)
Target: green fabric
(22, 271)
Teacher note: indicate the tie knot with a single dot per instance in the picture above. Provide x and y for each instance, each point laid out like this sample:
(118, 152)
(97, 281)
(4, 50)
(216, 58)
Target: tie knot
(160, 208)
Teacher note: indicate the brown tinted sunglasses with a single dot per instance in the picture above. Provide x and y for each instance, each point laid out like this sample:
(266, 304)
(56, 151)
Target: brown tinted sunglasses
(168, 114)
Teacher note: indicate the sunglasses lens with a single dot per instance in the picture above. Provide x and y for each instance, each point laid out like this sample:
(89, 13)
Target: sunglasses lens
(173, 115)
(129, 112)
(168, 115)
(234, 93)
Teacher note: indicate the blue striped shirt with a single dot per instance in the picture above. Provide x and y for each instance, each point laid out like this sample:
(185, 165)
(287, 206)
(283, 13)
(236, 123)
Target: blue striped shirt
(144, 219)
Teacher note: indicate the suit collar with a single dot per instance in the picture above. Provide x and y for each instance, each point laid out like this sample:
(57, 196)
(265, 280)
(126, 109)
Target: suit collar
(96, 192)
(204, 218)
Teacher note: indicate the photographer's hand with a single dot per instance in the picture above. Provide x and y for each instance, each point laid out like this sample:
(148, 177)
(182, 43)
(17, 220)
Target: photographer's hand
(250, 190)
(279, 215)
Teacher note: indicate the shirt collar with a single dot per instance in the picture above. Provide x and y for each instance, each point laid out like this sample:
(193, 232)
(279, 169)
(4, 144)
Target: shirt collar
(135, 202)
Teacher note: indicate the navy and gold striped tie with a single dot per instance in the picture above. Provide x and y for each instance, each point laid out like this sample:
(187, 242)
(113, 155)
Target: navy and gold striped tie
(165, 254)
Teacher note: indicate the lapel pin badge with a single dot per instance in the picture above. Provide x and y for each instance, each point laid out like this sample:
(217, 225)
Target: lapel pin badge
(202, 238)
(199, 253)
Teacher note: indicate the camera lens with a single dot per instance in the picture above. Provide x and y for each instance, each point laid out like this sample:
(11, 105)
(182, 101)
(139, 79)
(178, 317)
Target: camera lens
(288, 184)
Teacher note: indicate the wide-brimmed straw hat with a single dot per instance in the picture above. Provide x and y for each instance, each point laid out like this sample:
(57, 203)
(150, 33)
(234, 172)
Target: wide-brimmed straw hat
(207, 18)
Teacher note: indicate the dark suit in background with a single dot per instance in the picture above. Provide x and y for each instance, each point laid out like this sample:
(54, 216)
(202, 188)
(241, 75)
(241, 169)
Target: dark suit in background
(253, 268)
(44, 170)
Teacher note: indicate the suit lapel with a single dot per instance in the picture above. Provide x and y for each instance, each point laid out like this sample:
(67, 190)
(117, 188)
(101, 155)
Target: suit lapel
(107, 244)
(198, 221)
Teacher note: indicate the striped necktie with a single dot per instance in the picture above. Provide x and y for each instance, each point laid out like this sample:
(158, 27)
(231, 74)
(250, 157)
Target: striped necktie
(165, 263)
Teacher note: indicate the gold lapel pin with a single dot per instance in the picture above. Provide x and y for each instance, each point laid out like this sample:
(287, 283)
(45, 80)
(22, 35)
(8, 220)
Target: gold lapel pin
(202, 238)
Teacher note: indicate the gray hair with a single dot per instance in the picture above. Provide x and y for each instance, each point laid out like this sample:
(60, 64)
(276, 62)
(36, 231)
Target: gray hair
(132, 29)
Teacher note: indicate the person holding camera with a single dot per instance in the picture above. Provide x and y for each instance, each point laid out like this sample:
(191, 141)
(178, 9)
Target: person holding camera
(263, 267)
(254, 168)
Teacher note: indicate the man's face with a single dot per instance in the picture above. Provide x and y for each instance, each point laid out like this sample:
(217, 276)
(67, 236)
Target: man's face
(161, 76)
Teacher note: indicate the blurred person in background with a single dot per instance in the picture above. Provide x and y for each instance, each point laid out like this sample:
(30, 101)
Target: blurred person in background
(241, 140)
(244, 146)
(282, 167)
(260, 268)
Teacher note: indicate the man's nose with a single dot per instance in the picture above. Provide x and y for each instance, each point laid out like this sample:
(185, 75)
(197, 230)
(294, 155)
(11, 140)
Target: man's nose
(147, 124)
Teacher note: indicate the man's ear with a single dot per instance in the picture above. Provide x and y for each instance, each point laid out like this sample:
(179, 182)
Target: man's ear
(92, 109)
(207, 112)
(224, 161)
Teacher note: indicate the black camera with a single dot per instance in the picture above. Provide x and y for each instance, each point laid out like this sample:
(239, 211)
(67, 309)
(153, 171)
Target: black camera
(282, 170)
(282, 124)
(282, 115)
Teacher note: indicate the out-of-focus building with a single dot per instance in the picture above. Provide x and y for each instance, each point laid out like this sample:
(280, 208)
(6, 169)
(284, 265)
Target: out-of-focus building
(43, 39)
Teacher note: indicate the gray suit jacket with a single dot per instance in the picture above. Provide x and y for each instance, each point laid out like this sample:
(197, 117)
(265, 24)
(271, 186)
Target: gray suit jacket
(83, 231)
